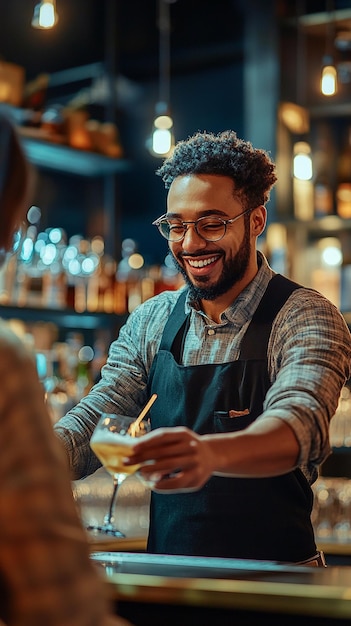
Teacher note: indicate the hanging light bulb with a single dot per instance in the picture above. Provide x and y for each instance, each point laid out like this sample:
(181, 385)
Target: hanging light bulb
(45, 14)
(162, 138)
(329, 80)
(161, 142)
(303, 169)
(329, 77)
(302, 181)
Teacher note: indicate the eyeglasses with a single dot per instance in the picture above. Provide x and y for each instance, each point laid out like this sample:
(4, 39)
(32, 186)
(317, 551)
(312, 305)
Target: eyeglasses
(210, 228)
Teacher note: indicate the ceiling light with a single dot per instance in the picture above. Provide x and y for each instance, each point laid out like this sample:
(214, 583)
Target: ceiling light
(302, 164)
(161, 142)
(45, 14)
(329, 79)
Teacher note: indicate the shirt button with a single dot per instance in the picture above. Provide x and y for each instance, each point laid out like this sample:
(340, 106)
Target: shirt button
(211, 331)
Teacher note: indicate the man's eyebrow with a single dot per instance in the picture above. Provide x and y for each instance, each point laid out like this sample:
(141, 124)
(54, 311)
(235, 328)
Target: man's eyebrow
(200, 214)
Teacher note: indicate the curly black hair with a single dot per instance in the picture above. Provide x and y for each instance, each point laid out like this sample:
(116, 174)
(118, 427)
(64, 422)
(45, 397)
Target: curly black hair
(251, 169)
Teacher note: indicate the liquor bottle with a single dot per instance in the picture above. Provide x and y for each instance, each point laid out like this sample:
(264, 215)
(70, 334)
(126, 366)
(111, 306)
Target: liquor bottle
(276, 242)
(343, 191)
(323, 158)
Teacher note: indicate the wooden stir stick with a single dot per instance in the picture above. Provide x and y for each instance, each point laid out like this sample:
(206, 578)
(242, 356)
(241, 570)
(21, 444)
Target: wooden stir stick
(133, 428)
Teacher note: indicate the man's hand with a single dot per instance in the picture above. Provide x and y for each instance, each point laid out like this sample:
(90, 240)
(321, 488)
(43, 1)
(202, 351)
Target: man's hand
(173, 459)
(177, 459)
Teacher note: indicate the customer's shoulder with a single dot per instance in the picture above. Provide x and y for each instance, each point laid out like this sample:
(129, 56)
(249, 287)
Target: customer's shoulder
(11, 344)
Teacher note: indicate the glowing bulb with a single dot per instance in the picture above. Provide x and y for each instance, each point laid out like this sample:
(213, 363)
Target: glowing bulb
(332, 256)
(136, 261)
(329, 80)
(45, 15)
(161, 141)
(330, 251)
(302, 161)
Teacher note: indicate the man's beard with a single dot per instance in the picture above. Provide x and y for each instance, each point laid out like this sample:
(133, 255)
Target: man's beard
(233, 271)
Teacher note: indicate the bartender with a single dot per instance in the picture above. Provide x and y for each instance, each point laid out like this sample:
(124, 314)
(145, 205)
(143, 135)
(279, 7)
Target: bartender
(247, 366)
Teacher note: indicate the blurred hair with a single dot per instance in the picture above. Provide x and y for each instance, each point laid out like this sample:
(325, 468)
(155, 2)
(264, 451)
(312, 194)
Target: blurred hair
(16, 180)
(251, 169)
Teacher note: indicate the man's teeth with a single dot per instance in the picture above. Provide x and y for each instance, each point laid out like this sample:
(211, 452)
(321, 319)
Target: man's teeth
(202, 263)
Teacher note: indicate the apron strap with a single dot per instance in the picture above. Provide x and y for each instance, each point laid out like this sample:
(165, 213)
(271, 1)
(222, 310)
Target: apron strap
(176, 328)
(255, 341)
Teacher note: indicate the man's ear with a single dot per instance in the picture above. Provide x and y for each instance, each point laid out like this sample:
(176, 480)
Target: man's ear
(258, 220)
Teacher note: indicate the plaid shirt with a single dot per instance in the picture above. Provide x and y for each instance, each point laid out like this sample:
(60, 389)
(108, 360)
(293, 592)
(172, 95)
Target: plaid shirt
(309, 356)
(46, 575)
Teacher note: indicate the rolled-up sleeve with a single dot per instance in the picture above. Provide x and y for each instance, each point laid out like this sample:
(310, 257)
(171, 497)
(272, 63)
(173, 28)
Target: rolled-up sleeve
(123, 384)
(309, 362)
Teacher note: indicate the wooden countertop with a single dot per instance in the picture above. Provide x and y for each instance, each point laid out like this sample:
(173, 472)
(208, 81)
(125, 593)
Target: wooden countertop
(104, 543)
(335, 547)
(228, 583)
(138, 544)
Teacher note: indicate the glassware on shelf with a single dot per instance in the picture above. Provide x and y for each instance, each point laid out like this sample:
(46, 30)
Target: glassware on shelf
(331, 515)
(340, 425)
(343, 191)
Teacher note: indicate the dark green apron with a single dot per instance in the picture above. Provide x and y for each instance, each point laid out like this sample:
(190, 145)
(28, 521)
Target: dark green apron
(264, 518)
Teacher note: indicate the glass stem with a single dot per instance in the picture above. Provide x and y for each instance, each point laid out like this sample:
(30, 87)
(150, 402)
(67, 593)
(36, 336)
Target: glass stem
(109, 519)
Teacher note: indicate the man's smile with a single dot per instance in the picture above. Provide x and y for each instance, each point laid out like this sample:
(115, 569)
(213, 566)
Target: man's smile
(199, 266)
(201, 262)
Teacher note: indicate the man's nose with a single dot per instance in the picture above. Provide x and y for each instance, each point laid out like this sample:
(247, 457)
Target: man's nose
(192, 237)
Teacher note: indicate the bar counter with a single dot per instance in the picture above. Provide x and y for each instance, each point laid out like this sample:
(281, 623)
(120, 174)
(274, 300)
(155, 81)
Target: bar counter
(189, 591)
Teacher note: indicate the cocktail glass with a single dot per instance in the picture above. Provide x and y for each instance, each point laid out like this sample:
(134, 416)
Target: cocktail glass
(112, 442)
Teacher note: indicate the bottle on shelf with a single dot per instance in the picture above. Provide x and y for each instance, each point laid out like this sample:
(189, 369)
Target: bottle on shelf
(276, 244)
(343, 191)
(323, 196)
(324, 262)
(323, 161)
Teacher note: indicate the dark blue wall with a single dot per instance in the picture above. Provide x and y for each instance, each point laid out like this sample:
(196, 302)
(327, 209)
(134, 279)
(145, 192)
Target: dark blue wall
(211, 101)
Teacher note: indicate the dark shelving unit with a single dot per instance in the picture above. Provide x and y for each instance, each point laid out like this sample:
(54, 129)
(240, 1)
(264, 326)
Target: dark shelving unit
(60, 158)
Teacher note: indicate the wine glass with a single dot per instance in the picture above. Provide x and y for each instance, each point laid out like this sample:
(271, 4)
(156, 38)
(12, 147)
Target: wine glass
(112, 442)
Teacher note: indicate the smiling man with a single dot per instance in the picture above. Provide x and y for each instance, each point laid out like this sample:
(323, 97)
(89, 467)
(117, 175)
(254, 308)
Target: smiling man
(216, 268)
(247, 366)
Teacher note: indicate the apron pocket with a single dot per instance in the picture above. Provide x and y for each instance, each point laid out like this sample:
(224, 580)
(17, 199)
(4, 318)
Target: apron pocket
(228, 422)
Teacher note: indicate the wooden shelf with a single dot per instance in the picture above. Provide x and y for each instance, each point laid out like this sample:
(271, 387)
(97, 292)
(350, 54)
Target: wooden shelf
(342, 548)
(65, 318)
(61, 158)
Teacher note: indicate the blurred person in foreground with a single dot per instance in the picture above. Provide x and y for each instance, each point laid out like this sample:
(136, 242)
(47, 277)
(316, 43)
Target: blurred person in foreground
(46, 575)
(247, 365)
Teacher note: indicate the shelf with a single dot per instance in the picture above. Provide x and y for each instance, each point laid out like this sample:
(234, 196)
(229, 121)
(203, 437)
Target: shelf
(330, 546)
(316, 23)
(61, 158)
(322, 225)
(329, 110)
(65, 318)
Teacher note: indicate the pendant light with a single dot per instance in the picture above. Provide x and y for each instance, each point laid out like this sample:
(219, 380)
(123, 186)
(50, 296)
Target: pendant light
(302, 162)
(161, 142)
(302, 158)
(329, 77)
(302, 185)
(329, 80)
(45, 14)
